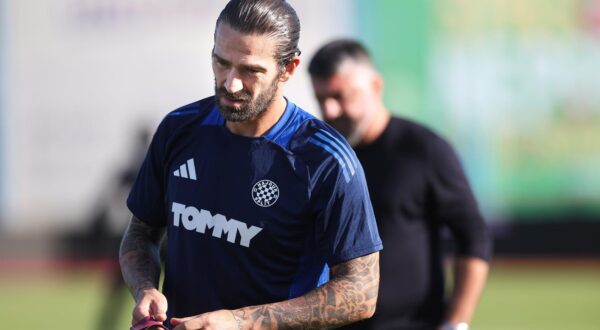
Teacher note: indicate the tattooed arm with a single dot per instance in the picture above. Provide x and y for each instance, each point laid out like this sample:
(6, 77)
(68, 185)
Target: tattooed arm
(348, 297)
(140, 265)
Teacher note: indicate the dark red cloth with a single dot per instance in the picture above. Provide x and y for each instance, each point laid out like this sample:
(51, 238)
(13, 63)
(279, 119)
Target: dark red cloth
(146, 323)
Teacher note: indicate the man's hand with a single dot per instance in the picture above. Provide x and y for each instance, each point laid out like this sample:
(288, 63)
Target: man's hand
(470, 274)
(140, 265)
(150, 302)
(218, 320)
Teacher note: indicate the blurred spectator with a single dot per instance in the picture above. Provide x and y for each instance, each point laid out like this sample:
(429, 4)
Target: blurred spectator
(417, 186)
(108, 225)
(100, 239)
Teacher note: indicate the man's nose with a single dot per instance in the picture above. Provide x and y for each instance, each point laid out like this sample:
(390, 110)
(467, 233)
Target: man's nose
(331, 109)
(233, 83)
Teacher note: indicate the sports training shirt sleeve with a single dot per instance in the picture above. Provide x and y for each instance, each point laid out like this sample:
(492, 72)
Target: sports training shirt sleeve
(345, 223)
(455, 204)
(146, 198)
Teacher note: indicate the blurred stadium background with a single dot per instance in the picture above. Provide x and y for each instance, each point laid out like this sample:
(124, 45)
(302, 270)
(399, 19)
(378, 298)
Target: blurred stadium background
(514, 84)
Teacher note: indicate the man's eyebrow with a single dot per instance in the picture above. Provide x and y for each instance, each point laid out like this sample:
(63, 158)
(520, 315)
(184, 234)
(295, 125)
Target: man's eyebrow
(324, 96)
(243, 66)
(219, 58)
(257, 68)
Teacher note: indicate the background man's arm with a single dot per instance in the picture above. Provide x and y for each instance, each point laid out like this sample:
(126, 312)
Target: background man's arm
(457, 207)
(140, 265)
(349, 296)
(470, 275)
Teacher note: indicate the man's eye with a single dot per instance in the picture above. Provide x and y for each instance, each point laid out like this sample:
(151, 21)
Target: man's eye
(253, 71)
(220, 63)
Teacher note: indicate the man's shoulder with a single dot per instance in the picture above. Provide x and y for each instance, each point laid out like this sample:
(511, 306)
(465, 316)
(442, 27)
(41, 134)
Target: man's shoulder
(407, 128)
(320, 146)
(408, 132)
(313, 135)
(199, 112)
(421, 140)
(201, 108)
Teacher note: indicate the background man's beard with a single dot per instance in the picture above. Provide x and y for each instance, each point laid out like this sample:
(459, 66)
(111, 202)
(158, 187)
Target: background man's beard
(348, 129)
(353, 130)
(249, 109)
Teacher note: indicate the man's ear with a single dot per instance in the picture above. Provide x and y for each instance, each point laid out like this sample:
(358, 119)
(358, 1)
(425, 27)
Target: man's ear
(290, 69)
(378, 84)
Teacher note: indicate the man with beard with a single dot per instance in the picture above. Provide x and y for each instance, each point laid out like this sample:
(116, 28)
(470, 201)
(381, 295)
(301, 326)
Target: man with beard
(417, 187)
(266, 209)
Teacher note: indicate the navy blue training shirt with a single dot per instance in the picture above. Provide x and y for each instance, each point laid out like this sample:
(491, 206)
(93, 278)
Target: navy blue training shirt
(251, 220)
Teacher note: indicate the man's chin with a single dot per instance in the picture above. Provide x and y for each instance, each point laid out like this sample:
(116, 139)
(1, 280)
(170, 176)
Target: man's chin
(232, 114)
(352, 136)
(354, 140)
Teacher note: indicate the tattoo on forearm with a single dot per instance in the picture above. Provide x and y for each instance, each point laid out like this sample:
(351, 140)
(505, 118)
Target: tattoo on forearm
(238, 319)
(139, 256)
(349, 296)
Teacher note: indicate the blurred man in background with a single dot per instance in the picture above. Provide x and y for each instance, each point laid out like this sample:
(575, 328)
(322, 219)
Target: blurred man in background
(99, 240)
(107, 229)
(254, 196)
(417, 186)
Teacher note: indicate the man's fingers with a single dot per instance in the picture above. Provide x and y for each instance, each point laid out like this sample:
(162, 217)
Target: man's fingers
(159, 310)
(140, 311)
(181, 323)
(177, 320)
(151, 305)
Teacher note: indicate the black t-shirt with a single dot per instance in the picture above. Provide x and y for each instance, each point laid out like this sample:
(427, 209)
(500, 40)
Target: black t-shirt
(417, 185)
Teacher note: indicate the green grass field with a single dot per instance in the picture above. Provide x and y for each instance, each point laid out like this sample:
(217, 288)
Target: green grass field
(518, 297)
(552, 296)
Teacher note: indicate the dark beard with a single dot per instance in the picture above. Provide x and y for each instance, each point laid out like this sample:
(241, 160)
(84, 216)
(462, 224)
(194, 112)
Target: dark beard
(344, 126)
(249, 110)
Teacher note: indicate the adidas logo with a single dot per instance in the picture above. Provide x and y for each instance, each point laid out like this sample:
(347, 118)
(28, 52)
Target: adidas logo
(186, 170)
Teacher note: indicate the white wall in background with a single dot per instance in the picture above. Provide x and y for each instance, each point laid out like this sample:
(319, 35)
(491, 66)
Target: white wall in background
(83, 75)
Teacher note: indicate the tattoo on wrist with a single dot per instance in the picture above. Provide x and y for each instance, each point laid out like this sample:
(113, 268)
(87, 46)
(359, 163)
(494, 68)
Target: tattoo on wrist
(238, 320)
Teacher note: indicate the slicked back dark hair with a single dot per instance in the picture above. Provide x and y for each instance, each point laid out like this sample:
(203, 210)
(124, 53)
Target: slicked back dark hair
(275, 18)
(327, 60)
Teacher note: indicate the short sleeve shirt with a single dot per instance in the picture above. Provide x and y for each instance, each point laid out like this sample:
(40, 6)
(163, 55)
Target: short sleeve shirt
(251, 220)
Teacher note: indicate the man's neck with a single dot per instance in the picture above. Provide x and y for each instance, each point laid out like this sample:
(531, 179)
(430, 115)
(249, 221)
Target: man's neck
(263, 123)
(379, 123)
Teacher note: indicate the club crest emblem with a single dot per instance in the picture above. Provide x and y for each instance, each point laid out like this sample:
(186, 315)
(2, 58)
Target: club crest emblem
(265, 193)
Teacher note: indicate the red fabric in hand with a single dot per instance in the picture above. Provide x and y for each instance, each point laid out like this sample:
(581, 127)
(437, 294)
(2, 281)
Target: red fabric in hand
(146, 323)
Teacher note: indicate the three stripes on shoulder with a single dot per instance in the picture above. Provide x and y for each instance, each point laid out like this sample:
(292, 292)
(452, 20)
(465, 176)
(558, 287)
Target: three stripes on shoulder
(338, 150)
